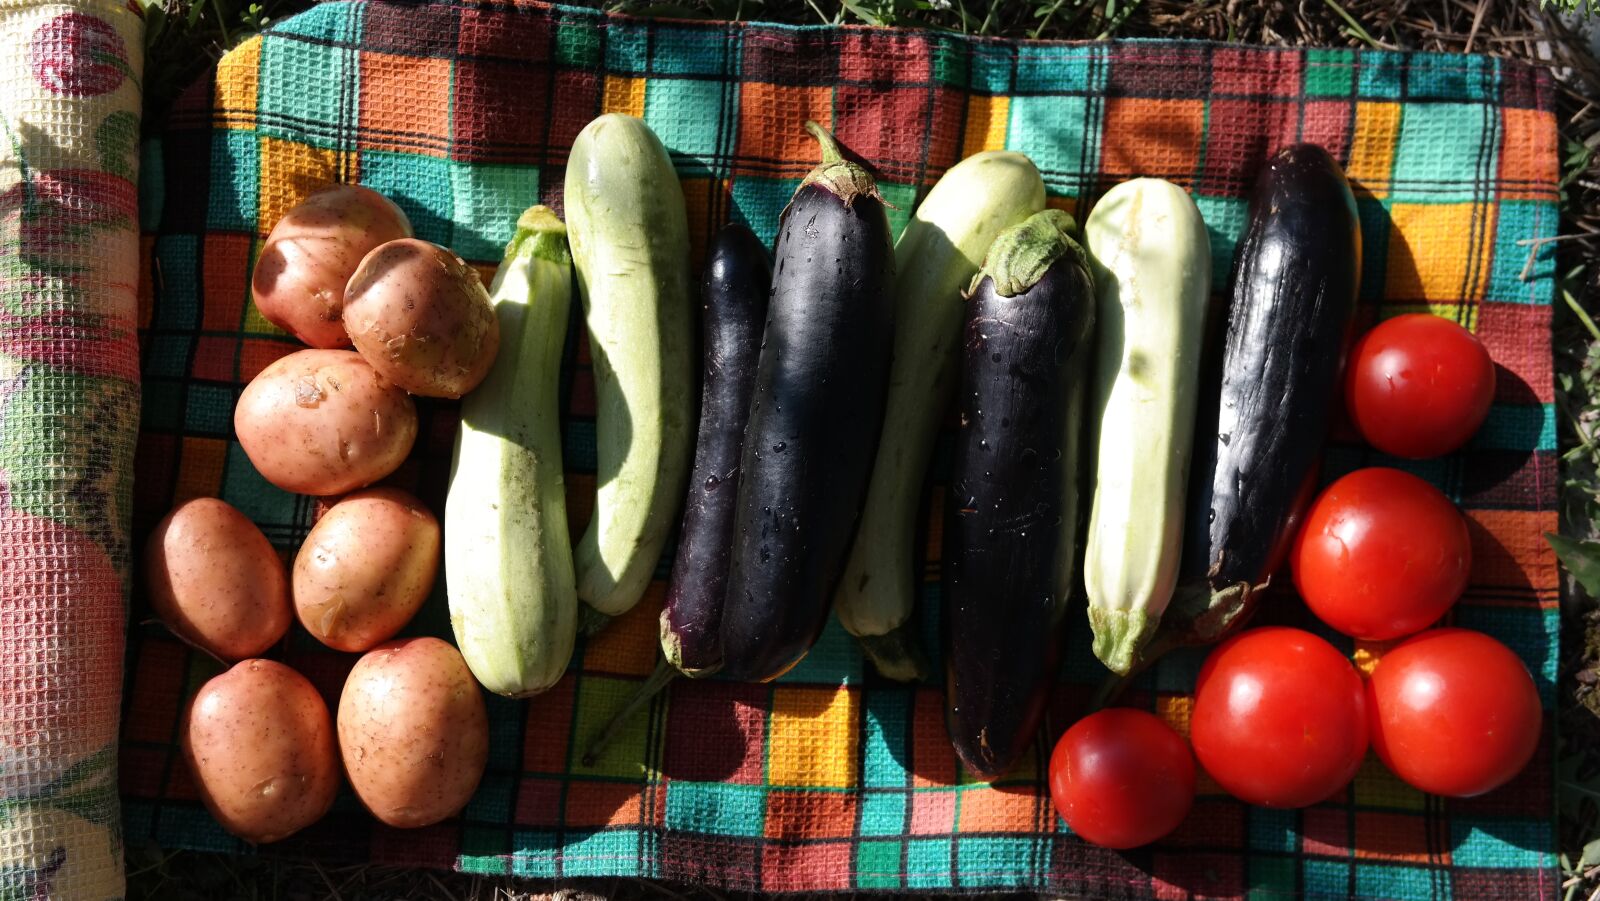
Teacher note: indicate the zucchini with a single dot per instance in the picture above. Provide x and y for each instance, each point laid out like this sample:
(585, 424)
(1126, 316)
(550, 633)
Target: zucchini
(814, 417)
(1012, 504)
(508, 558)
(937, 256)
(1293, 302)
(1152, 274)
(630, 244)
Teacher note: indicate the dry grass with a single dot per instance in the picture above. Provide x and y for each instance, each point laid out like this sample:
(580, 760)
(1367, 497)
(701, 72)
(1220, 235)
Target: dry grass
(1511, 28)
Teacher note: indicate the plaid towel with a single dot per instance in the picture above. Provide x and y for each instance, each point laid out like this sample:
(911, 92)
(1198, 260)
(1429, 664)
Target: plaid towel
(830, 778)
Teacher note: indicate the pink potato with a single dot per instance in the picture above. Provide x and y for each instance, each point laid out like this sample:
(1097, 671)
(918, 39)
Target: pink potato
(366, 568)
(413, 732)
(260, 743)
(323, 422)
(215, 580)
(300, 277)
(422, 318)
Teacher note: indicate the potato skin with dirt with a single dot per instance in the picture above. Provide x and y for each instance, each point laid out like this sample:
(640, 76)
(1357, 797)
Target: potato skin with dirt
(366, 568)
(413, 731)
(323, 422)
(260, 744)
(215, 580)
(300, 277)
(422, 318)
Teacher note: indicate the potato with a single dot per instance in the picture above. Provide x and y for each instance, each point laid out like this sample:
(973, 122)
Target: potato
(422, 318)
(215, 580)
(260, 743)
(366, 568)
(413, 731)
(301, 274)
(323, 422)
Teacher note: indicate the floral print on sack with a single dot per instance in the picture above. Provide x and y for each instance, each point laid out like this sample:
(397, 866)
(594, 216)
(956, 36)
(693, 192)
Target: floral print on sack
(69, 409)
(78, 56)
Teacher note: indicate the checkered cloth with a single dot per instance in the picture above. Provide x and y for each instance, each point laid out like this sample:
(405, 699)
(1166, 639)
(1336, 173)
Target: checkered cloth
(832, 778)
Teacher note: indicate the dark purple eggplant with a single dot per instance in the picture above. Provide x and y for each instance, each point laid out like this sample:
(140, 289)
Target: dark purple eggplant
(1292, 307)
(814, 419)
(733, 314)
(1009, 560)
(733, 311)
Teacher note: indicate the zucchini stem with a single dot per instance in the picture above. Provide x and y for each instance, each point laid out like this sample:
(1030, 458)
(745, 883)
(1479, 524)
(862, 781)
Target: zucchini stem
(897, 654)
(653, 685)
(591, 622)
(1120, 636)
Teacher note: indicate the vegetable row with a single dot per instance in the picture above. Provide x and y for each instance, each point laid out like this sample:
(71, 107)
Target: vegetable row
(1120, 437)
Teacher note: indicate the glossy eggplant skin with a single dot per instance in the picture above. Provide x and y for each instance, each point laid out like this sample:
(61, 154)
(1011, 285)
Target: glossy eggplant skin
(733, 308)
(1012, 496)
(1297, 273)
(814, 421)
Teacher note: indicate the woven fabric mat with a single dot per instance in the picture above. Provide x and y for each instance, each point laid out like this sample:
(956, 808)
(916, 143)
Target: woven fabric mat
(69, 407)
(832, 779)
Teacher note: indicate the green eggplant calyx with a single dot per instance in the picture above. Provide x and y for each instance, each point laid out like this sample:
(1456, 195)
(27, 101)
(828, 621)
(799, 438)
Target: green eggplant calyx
(672, 651)
(838, 176)
(1202, 613)
(540, 234)
(1022, 254)
(1120, 637)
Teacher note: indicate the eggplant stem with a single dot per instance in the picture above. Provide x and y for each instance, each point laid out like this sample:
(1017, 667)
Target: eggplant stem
(1160, 644)
(843, 178)
(658, 680)
(831, 152)
(1108, 692)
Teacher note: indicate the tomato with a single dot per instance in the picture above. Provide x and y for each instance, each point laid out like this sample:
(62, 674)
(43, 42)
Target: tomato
(1122, 778)
(1454, 712)
(1279, 718)
(1382, 554)
(1418, 385)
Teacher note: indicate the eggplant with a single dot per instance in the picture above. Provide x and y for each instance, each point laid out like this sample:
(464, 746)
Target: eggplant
(733, 295)
(814, 418)
(937, 255)
(1012, 507)
(733, 314)
(1291, 314)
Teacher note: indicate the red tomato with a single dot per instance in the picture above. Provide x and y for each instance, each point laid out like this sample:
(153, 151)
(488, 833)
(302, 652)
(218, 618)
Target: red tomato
(1454, 712)
(1279, 718)
(1418, 385)
(1382, 554)
(1122, 778)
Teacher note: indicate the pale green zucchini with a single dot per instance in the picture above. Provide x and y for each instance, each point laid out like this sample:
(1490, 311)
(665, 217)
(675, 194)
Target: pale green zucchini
(936, 257)
(1152, 261)
(630, 244)
(508, 558)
